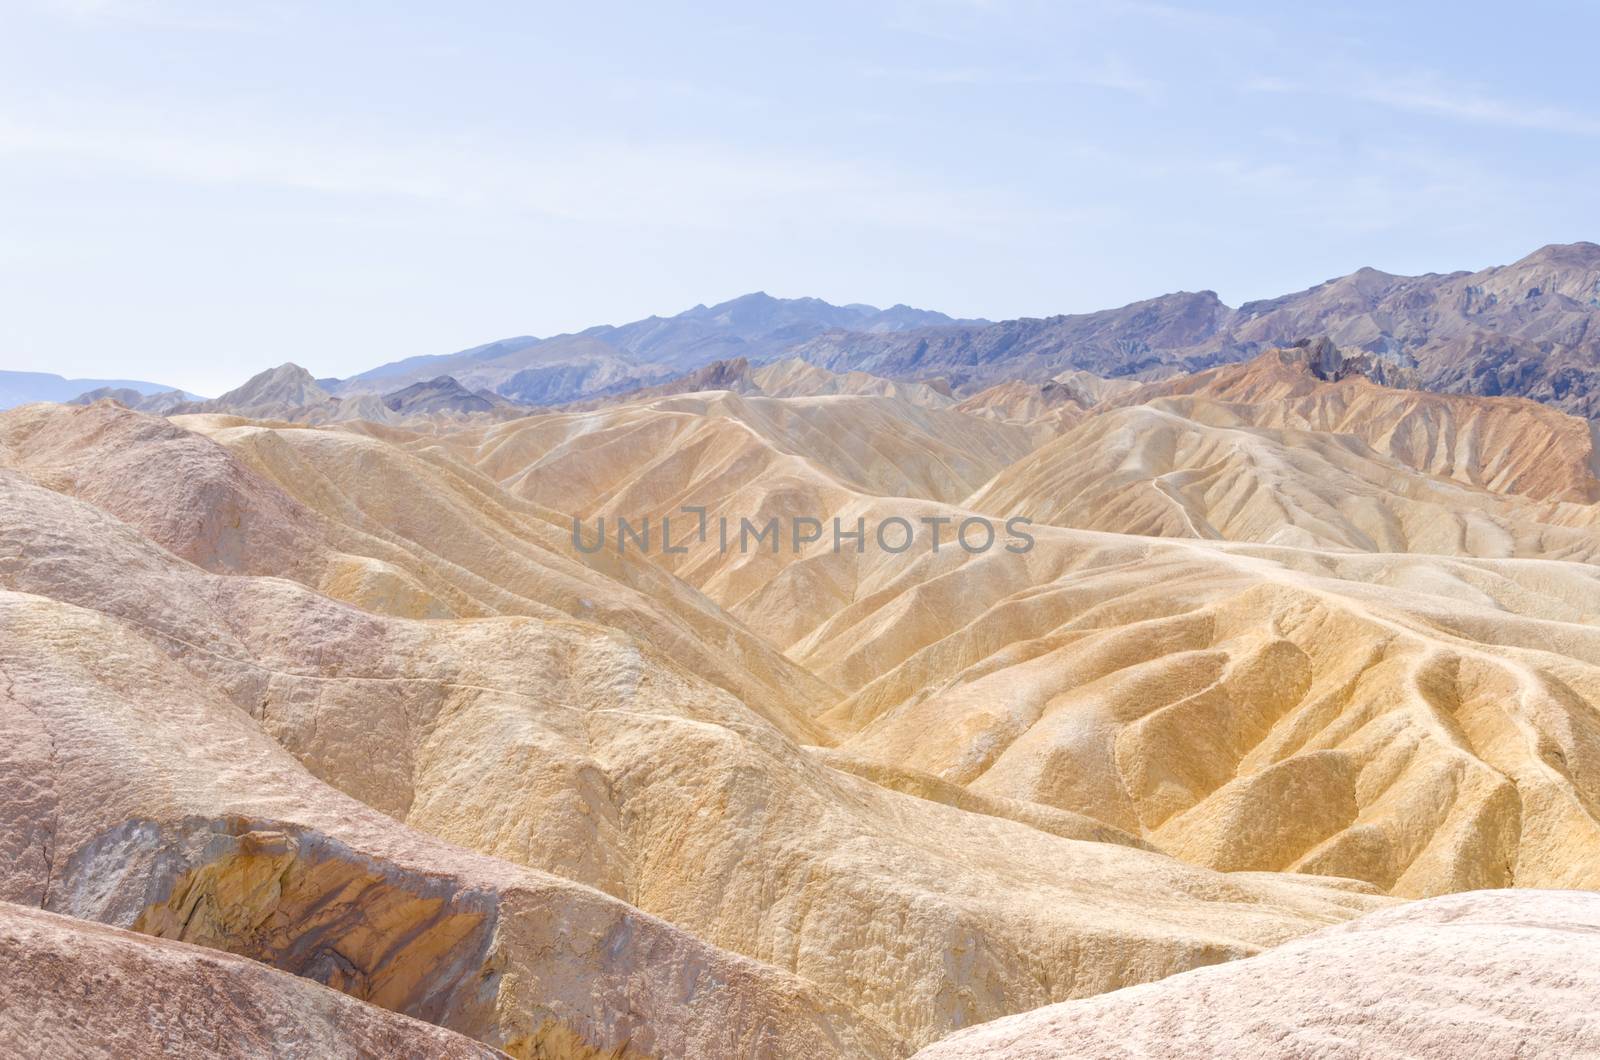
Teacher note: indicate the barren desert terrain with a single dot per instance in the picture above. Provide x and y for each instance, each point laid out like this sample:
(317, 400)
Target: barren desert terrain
(1275, 728)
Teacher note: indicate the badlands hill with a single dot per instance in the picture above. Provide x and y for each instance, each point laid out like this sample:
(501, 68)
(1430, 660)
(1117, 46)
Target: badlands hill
(1289, 651)
(1269, 451)
(781, 379)
(208, 726)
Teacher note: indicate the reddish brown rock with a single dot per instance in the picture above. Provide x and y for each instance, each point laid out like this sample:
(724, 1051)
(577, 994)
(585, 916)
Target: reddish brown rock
(73, 988)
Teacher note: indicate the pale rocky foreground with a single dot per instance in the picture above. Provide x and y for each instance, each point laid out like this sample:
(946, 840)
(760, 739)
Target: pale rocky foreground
(343, 699)
(1492, 973)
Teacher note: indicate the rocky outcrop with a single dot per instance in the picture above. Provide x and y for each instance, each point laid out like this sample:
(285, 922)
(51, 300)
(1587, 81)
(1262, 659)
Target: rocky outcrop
(308, 904)
(69, 987)
(789, 378)
(1327, 362)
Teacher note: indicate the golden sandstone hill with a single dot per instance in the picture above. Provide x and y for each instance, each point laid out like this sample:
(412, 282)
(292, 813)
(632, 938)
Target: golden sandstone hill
(1284, 649)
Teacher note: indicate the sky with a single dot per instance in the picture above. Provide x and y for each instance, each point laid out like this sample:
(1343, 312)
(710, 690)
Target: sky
(194, 190)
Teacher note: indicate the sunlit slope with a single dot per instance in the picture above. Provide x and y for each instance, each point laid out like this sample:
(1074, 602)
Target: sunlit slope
(1148, 470)
(1415, 715)
(568, 749)
(1507, 445)
(874, 797)
(738, 458)
(1269, 452)
(949, 660)
(399, 531)
(145, 789)
(796, 378)
(649, 458)
(1420, 723)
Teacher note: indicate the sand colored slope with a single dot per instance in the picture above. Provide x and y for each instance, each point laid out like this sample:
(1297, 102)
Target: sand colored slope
(1296, 447)
(1491, 974)
(1418, 723)
(411, 533)
(791, 378)
(1507, 445)
(170, 812)
(949, 660)
(69, 987)
(1433, 711)
(649, 457)
(569, 748)
(919, 643)
(794, 377)
(347, 700)
(1049, 407)
(908, 635)
(738, 458)
(1150, 470)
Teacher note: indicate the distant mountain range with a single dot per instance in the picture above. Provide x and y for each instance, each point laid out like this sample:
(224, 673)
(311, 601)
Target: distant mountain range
(607, 359)
(21, 388)
(288, 392)
(1527, 329)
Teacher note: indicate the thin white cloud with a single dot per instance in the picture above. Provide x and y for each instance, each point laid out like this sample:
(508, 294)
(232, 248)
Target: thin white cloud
(689, 186)
(1110, 74)
(1273, 85)
(1376, 189)
(154, 14)
(1113, 73)
(1431, 95)
(1464, 105)
(952, 75)
(1191, 19)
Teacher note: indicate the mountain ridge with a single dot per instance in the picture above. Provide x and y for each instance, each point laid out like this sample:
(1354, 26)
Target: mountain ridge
(610, 358)
(1524, 329)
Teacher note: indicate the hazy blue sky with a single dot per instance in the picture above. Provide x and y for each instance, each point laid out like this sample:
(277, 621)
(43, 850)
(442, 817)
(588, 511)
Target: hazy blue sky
(191, 190)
